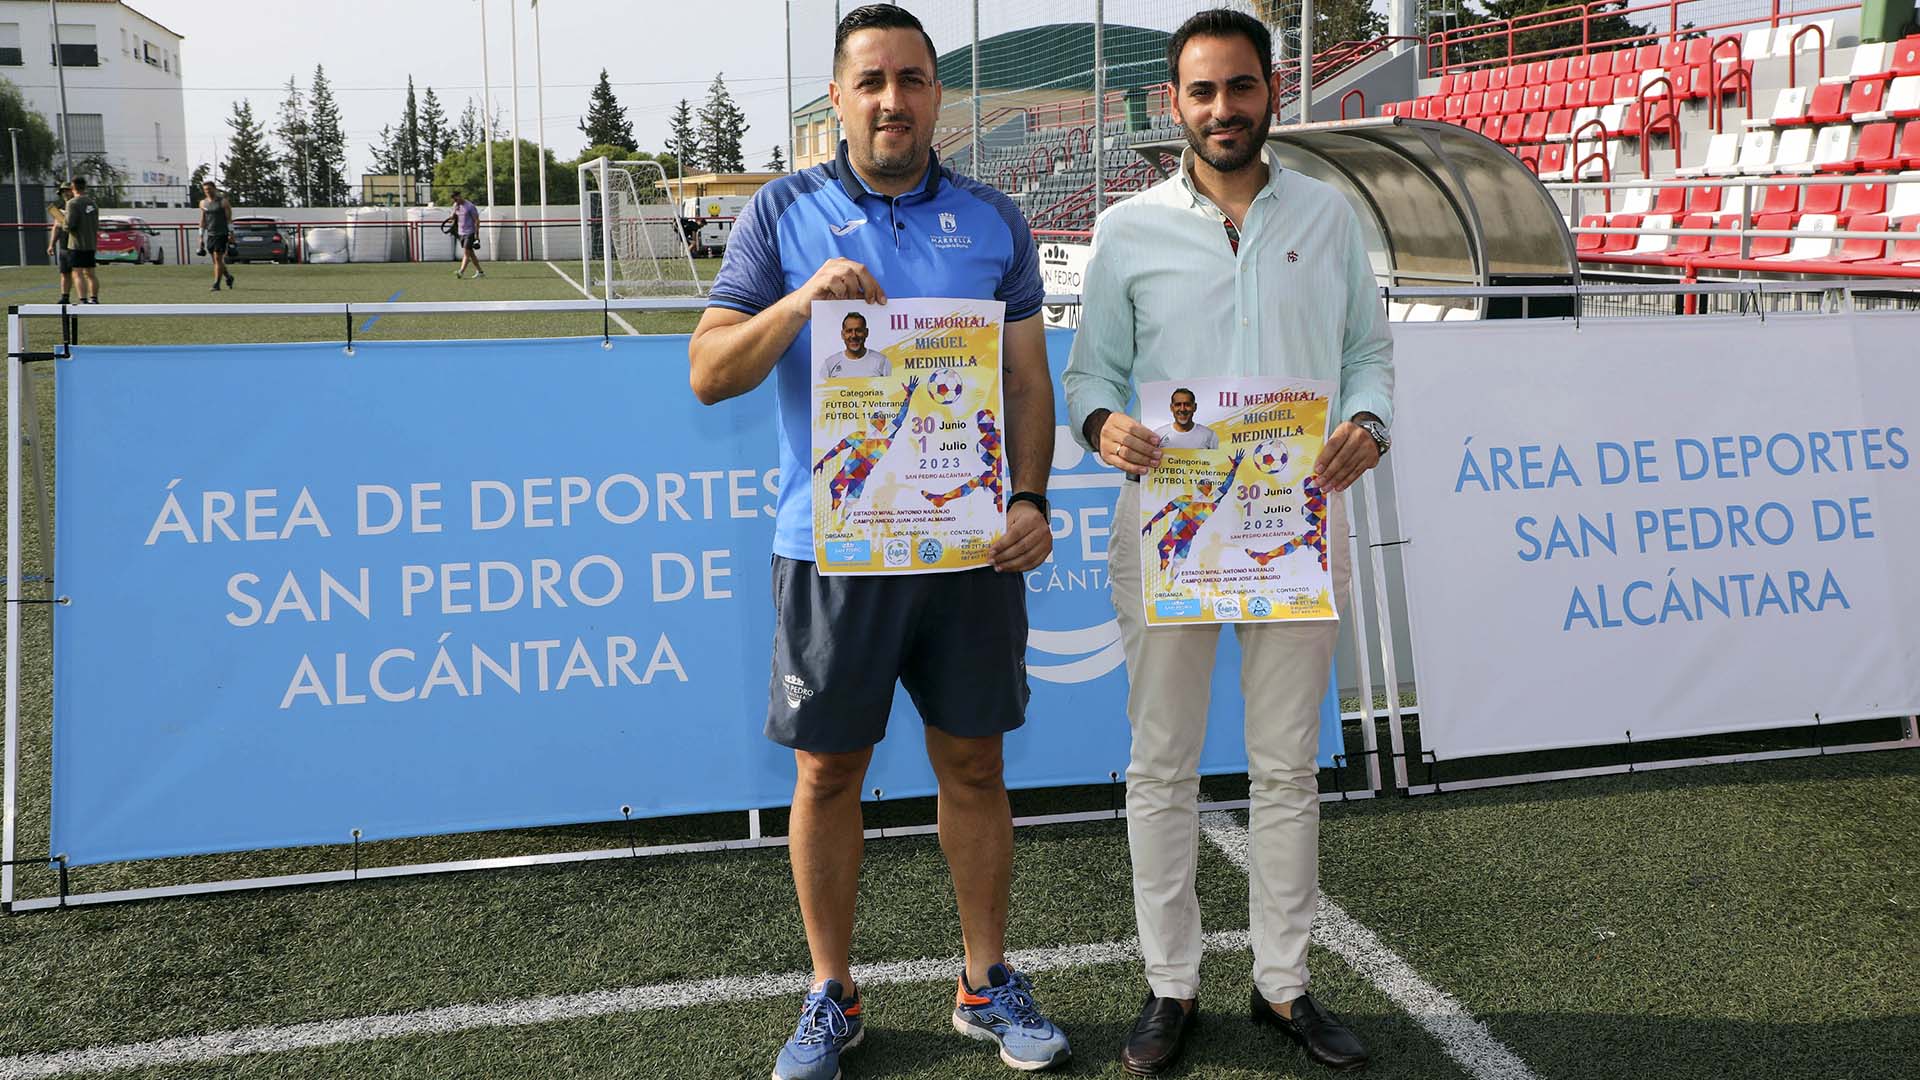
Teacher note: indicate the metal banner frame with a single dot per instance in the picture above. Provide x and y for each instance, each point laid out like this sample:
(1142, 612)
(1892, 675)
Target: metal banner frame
(23, 418)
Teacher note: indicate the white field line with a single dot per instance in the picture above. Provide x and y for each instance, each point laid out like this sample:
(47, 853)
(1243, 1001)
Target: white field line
(624, 324)
(453, 1018)
(1465, 1039)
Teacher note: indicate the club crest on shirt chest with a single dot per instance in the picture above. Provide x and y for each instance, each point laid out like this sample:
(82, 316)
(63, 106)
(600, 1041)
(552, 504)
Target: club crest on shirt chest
(950, 237)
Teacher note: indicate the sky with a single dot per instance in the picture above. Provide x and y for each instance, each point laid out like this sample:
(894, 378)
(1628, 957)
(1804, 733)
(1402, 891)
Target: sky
(655, 53)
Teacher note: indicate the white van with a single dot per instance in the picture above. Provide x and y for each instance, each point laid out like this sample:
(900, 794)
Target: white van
(715, 215)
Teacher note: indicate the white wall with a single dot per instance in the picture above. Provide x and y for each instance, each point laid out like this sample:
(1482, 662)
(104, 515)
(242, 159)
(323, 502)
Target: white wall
(130, 95)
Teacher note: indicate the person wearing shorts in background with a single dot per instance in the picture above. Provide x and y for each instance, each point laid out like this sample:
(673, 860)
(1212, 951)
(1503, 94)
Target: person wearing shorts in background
(57, 242)
(466, 235)
(216, 231)
(83, 233)
(864, 226)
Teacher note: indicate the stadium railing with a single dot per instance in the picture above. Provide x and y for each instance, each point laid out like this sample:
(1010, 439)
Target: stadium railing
(1499, 41)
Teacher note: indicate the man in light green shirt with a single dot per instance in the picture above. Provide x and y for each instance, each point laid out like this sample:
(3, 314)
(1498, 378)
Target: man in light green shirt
(1233, 266)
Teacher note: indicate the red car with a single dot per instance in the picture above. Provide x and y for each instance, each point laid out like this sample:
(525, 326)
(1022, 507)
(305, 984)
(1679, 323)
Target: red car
(129, 240)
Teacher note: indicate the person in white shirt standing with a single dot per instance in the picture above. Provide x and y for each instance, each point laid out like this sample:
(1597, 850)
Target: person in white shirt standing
(855, 361)
(1183, 433)
(1232, 266)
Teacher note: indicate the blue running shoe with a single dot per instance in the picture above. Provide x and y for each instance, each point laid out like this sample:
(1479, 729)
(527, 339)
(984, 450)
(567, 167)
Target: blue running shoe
(829, 1026)
(1004, 1013)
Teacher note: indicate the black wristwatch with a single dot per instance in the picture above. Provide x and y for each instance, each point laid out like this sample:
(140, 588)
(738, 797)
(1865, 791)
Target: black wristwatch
(1379, 432)
(1034, 497)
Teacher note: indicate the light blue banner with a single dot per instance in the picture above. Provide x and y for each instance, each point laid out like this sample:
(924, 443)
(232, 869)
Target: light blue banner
(445, 586)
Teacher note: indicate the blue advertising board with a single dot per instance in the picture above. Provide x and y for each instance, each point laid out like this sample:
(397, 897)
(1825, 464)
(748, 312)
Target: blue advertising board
(435, 587)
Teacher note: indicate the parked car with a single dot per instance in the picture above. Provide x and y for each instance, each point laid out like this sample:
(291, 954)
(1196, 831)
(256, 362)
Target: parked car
(261, 239)
(129, 239)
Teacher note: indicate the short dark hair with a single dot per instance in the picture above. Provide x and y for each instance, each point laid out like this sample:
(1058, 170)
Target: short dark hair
(853, 315)
(78, 183)
(880, 17)
(1219, 22)
(1184, 390)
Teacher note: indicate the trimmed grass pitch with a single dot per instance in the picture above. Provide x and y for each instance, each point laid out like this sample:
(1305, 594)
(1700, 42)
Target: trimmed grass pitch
(1754, 920)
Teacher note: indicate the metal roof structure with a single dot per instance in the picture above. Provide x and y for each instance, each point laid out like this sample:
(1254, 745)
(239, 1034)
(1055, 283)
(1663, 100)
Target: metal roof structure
(1441, 205)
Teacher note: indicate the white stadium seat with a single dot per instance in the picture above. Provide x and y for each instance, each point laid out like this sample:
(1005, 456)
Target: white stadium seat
(1809, 247)
(1794, 152)
(1868, 60)
(1789, 104)
(1653, 243)
(1756, 153)
(1723, 157)
(1833, 146)
(1636, 200)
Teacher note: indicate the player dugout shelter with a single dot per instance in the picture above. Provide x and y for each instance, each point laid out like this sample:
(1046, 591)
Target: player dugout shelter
(1442, 206)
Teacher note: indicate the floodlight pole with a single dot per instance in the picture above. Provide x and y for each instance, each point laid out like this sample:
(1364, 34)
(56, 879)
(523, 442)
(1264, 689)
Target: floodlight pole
(19, 214)
(540, 123)
(60, 70)
(486, 103)
(513, 60)
(973, 143)
(1306, 61)
(1099, 106)
(789, 7)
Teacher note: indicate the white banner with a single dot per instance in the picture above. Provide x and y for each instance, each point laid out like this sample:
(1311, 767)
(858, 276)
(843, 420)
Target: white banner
(1667, 527)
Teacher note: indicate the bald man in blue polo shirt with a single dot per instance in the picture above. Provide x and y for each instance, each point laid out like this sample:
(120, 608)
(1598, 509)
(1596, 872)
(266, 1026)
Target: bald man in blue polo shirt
(887, 219)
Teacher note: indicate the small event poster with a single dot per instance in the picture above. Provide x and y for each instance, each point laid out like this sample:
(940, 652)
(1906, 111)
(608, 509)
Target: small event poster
(909, 456)
(1232, 527)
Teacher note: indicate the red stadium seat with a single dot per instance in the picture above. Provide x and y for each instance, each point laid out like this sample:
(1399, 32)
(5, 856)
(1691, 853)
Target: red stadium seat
(1536, 128)
(1560, 123)
(1876, 152)
(1557, 70)
(1827, 106)
(1579, 67)
(1589, 243)
(1472, 105)
(1864, 199)
(1703, 200)
(1455, 107)
(1765, 247)
(1699, 51)
(1514, 101)
(1497, 78)
(1600, 90)
(1860, 249)
(1476, 124)
(1686, 248)
(1477, 79)
(1530, 157)
(1624, 63)
(1647, 56)
(1556, 97)
(1778, 199)
(1577, 92)
(1866, 97)
(1909, 148)
(1907, 252)
(1673, 55)
(1621, 241)
(1451, 84)
(1725, 245)
(1511, 130)
(1599, 64)
(1670, 201)
(1821, 199)
(1533, 98)
(1906, 58)
(1553, 160)
(1537, 73)
(1422, 108)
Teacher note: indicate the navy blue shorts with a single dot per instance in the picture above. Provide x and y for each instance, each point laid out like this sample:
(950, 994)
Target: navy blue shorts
(957, 642)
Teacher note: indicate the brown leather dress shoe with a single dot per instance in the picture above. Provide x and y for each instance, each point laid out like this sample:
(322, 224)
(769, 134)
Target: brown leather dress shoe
(1156, 1038)
(1324, 1037)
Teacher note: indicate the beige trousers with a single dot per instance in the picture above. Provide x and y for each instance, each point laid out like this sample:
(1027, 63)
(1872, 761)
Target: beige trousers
(1283, 677)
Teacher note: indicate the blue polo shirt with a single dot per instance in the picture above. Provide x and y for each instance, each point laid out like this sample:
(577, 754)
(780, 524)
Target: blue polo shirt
(952, 236)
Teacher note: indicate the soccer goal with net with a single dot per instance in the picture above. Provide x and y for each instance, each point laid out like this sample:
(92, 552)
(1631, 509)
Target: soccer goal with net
(632, 246)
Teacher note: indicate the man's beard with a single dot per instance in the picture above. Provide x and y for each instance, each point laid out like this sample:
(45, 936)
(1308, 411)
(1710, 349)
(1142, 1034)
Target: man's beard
(902, 164)
(1230, 160)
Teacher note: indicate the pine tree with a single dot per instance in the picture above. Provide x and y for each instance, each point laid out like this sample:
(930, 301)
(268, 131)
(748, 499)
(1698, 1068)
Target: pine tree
(295, 134)
(606, 122)
(252, 176)
(722, 126)
(406, 144)
(778, 161)
(434, 133)
(329, 146)
(384, 155)
(468, 133)
(683, 139)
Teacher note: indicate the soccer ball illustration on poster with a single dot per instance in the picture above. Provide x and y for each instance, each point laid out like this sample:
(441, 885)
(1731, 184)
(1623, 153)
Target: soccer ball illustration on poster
(945, 386)
(1270, 458)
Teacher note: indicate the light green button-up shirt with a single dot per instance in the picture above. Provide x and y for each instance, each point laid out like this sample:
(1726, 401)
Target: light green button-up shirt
(1167, 297)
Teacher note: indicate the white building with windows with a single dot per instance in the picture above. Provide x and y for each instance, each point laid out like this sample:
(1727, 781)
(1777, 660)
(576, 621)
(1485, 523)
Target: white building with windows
(124, 90)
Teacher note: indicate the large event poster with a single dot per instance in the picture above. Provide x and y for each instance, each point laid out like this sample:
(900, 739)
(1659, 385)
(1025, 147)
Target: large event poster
(909, 459)
(1658, 528)
(1233, 527)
